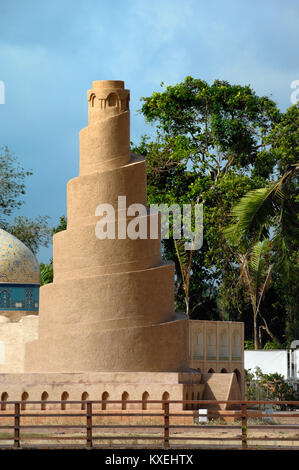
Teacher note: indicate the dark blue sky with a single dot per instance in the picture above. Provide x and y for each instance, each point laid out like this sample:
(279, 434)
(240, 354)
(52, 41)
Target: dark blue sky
(51, 51)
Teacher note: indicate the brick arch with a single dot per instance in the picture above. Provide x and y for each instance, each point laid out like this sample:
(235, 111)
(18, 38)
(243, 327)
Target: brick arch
(239, 377)
(124, 398)
(64, 396)
(24, 397)
(44, 398)
(84, 396)
(145, 397)
(91, 99)
(4, 397)
(112, 100)
(105, 397)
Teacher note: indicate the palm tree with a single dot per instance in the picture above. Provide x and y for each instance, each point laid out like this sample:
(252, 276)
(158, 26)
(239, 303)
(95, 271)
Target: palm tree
(269, 212)
(255, 274)
(262, 209)
(46, 273)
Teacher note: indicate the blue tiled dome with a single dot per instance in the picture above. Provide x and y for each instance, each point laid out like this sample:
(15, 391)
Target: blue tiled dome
(17, 263)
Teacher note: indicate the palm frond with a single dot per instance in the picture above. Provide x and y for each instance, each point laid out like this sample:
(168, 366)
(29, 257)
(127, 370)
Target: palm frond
(253, 211)
(255, 271)
(256, 265)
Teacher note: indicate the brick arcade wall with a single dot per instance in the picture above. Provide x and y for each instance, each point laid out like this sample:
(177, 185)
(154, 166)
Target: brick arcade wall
(100, 386)
(217, 347)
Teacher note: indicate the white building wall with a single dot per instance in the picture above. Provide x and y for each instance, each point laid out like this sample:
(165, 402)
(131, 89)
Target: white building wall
(270, 362)
(13, 339)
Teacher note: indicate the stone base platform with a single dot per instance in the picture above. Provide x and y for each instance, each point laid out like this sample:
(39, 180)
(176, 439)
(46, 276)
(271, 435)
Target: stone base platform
(123, 386)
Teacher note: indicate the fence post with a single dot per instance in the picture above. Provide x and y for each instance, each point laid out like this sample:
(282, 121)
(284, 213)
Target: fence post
(17, 425)
(89, 423)
(244, 426)
(166, 425)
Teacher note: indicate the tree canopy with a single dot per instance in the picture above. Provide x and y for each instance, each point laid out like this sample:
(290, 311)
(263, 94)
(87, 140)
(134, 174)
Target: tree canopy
(214, 144)
(32, 232)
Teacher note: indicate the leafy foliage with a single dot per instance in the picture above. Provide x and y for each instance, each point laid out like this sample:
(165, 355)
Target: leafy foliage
(255, 273)
(32, 232)
(208, 140)
(258, 209)
(46, 269)
(217, 144)
(46, 273)
(273, 386)
(272, 212)
(12, 183)
(61, 226)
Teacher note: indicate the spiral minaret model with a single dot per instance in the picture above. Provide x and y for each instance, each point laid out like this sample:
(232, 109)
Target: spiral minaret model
(111, 304)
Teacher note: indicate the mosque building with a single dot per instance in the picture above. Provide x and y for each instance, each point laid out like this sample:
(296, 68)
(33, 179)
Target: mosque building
(19, 278)
(107, 326)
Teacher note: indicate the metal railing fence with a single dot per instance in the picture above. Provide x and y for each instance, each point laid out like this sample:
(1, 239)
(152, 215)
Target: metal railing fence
(171, 433)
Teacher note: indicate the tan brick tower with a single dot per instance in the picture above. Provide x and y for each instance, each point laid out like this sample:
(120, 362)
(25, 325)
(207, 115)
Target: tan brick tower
(111, 305)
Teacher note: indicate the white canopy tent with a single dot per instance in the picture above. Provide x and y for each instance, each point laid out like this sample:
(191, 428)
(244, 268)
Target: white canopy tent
(284, 362)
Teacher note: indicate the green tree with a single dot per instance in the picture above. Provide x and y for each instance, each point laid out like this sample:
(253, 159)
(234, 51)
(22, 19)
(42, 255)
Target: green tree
(268, 387)
(272, 211)
(46, 273)
(46, 269)
(12, 183)
(61, 226)
(272, 207)
(209, 148)
(32, 232)
(255, 273)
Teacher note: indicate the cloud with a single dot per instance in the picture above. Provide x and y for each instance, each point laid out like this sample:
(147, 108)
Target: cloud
(50, 52)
